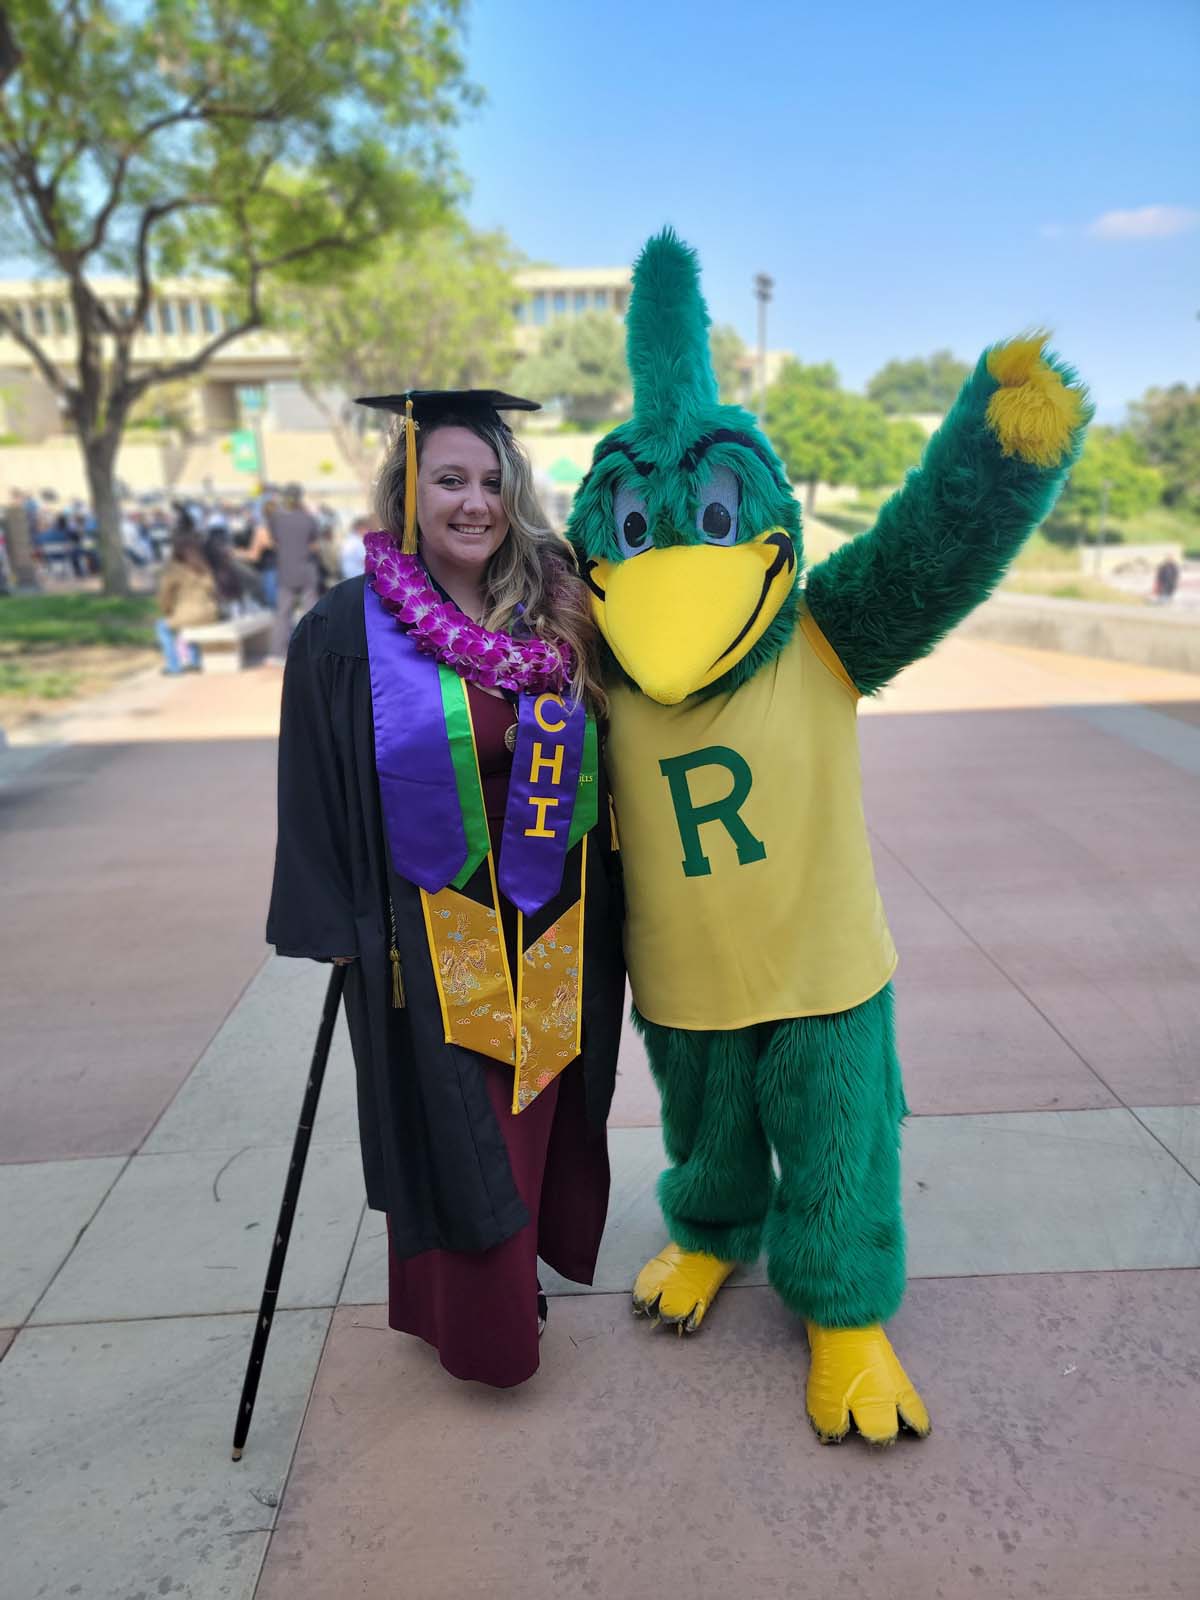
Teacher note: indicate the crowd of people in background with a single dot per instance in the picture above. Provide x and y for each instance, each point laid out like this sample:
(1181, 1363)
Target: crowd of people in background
(213, 558)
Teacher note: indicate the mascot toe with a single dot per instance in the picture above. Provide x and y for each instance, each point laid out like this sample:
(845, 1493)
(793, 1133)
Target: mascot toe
(759, 956)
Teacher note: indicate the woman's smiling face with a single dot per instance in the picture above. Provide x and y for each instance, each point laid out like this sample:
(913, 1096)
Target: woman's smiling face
(459, 510)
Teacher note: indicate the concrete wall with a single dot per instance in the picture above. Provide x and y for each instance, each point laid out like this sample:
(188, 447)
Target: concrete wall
(1150, 636)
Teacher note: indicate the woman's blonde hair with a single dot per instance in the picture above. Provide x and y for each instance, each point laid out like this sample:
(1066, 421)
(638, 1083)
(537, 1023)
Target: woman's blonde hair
(533, 574)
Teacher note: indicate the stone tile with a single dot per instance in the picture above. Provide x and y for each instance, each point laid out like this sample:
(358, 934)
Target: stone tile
(7, 1335)
(969, 1039)
(635, 1102)
(367, 1275)
(1062, 1462)
(133, 919)
(117, 1480)
(192, 1232)
(1061, 1191)
(1169, 738)
(988, 1194)
(1118, 977)
(970, 1042)
(248, 1086)
(1066, 854)
(44, 1204)
(1179, 1129)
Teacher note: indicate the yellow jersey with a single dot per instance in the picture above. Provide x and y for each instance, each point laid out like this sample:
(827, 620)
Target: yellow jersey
(749, 883)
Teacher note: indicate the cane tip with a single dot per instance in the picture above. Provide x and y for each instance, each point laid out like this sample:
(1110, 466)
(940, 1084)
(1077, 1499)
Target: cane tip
(237, 1453)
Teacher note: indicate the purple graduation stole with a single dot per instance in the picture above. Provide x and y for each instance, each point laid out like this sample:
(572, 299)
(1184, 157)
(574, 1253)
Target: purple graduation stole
(436, 828)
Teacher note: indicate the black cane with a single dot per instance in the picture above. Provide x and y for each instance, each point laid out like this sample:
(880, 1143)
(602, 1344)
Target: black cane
(287, 1208)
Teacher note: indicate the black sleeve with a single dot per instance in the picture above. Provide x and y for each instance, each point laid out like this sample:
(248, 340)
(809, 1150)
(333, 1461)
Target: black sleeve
(312, 908)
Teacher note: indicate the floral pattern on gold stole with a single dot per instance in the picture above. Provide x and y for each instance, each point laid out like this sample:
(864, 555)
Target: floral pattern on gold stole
(549, 1005)
(472, 976)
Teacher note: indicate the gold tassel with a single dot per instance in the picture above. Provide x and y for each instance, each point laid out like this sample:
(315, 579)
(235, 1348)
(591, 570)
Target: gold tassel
(409, 544)
(397, 980)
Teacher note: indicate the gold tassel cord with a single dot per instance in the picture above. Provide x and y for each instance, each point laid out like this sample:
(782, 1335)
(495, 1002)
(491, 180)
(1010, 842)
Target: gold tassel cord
(398, 1000)
(409, 544)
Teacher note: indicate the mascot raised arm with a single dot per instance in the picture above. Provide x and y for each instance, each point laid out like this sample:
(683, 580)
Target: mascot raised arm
(759, 955)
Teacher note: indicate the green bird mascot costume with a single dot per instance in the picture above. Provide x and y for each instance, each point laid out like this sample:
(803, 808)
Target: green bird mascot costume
(758, 952)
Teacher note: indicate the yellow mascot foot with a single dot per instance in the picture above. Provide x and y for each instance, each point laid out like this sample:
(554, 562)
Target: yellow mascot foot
(678, 1287)
(1035, 411)
(856, 1378)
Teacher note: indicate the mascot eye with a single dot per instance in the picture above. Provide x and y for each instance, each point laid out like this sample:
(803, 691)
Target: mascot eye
(717, 507)
(632, 524)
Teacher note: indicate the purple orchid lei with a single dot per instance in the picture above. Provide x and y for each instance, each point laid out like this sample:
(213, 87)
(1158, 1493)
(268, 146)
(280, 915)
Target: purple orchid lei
(439, 628)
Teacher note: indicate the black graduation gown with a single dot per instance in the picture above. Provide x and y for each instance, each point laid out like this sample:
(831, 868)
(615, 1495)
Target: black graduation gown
(433, 1155)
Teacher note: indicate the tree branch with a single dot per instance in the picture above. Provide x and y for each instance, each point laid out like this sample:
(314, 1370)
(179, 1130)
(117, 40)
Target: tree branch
(186, 368)
(41, 360)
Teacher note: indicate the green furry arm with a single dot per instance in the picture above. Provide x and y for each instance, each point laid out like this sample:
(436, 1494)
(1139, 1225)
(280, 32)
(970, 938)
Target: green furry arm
(942, 543)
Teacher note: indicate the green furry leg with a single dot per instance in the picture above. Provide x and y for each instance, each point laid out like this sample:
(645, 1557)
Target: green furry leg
(831, 1102)
(715, 1195)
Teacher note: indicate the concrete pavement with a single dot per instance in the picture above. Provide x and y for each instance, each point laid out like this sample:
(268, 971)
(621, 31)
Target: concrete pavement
(1033, 820)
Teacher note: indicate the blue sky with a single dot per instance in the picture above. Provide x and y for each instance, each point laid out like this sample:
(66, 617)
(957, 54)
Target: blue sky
(911, 177)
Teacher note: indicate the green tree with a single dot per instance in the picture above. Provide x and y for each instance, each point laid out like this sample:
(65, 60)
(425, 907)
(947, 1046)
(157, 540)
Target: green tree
(257, 141)
(581, 361)
(920, 385)
(1167, 424)
(434, 312)
(826, 435)
(728, 354)
(1112, 470)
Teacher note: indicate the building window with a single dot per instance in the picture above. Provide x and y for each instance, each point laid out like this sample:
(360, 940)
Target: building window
(17, 313)
(560, 304)
(208, 316)
(519, 310)
(148, 320)
(62, 322)
(539, 308)
(187, 316)
(620, 301)
(39, 321)
(600, 299)
(166, 317)
(580, 302)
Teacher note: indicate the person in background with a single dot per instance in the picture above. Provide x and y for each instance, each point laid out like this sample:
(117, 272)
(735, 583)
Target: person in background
(187, 598)
(1166, 580)
(294, 533)
(261, 553)
(239, 586)
(353, 551)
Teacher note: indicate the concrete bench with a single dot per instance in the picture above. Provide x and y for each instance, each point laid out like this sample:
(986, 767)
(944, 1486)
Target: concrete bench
(225, 646)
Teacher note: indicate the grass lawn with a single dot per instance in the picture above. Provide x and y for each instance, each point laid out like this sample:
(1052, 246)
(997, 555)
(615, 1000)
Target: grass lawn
(58, 648)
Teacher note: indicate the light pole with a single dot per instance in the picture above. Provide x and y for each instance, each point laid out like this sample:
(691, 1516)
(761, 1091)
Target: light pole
(762, 293)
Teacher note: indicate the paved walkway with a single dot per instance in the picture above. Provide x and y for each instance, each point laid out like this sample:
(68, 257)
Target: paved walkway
(1034, 823)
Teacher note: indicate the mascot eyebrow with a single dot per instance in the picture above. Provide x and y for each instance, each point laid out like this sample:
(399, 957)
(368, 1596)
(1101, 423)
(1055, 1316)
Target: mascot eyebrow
(692, 456)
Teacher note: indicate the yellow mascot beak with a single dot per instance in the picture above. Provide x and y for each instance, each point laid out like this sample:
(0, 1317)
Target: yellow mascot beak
(678, 619)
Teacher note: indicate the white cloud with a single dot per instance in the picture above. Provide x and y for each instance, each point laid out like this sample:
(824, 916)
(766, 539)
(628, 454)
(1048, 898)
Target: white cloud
(1147, 222)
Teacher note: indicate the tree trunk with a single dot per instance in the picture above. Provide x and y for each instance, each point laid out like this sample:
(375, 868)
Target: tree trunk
(21, 562)
(99, 455)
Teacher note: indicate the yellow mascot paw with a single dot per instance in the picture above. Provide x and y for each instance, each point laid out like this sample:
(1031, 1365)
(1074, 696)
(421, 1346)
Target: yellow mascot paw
(678, 1287)
(1035, 412)
(856, 1378)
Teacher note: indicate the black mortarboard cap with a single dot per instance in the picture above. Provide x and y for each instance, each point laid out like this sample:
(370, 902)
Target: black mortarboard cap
(431, 405)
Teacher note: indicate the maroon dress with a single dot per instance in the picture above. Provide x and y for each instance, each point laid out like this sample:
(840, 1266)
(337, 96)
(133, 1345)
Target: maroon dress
(479, 1309)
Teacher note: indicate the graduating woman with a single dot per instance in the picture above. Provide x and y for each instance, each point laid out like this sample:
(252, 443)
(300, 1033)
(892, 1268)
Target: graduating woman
(444, 828)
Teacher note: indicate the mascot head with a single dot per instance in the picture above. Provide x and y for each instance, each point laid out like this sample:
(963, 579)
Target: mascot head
(685, 526)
